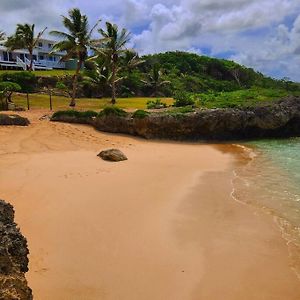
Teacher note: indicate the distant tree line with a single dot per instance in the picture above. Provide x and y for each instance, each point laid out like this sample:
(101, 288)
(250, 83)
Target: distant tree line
(113, 69)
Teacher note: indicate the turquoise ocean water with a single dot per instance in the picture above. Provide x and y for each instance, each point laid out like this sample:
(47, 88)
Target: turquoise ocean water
(271, 180)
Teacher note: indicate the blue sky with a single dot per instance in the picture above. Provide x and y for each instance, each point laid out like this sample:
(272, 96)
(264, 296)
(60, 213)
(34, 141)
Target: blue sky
(263, 34)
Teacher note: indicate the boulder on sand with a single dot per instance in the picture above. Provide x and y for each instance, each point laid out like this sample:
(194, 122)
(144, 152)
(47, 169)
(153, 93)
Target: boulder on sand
(112, 155)
(13, 120)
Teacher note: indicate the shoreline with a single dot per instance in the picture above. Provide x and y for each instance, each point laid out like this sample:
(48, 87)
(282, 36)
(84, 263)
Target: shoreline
(289, 233)
(160, 226)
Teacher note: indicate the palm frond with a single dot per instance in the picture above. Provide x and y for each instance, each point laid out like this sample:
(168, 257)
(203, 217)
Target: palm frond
(62, 35)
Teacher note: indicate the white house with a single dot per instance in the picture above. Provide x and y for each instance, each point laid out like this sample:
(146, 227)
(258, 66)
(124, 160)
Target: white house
(43, 60)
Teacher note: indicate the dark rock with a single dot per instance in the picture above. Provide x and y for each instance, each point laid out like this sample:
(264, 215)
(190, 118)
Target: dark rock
(13, 258)
(279, 119)
(112, 155)
(13, 120)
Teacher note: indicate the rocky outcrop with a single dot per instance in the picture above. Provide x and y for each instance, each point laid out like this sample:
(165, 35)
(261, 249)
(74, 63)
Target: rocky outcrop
(13, 258)
(13, 120)
(112, 155)
(279, 119)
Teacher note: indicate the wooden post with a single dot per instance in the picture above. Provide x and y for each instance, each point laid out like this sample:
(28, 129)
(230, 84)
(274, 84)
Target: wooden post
(50, 94)
(28, 105)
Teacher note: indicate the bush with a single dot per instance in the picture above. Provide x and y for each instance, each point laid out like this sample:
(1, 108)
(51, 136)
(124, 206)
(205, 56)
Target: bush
(75, 113)
(26, 80)
(6, 86)
(183, 99)
(156, 104)
(180, 111)
(140, 114)
(112, 110)
(60, 85)
(6, 91)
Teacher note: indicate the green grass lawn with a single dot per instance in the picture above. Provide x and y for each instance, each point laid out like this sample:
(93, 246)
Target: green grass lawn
(62, 103)
(251, 97)
(44, 73)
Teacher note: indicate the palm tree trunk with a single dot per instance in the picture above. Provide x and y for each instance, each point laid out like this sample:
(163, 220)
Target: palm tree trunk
(75, 81)
(155, 90)
(113, 85)
(31, 60)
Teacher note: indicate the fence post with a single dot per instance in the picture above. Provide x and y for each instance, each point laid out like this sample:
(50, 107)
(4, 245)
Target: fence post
(28, 105)
(50, 94)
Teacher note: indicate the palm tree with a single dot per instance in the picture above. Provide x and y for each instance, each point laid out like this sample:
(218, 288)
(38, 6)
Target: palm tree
(2, 35)
(75, 42)
(24, 39)
(99, 75)
(155, 80)
(112, 46)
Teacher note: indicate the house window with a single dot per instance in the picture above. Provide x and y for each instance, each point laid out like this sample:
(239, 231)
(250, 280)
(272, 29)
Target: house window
(50, 46)
(40, 45)
(41, 57)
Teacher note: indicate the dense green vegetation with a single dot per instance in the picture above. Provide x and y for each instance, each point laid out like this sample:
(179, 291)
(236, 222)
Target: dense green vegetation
(114, 71)
(190, 79)
(113, 110)
(76, 114)
(241, 98)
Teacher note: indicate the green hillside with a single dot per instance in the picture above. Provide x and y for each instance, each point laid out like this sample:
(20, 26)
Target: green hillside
(209, 82)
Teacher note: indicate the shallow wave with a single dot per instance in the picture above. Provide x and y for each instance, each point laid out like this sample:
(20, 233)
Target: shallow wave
(270, 180)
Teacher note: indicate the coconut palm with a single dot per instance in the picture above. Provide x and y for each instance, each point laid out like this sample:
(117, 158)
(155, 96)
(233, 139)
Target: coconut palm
(98, 75)
(2, 35)
(75, 42)
(112, 46)
(24, 38)
(131, 60)
(155, 80)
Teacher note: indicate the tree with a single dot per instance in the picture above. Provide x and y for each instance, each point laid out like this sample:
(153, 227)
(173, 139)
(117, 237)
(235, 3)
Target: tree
(24, 38)
(155, 80)
(98, 76)
(112, 46)
(6, 91)
(2, 35)
(75, 42)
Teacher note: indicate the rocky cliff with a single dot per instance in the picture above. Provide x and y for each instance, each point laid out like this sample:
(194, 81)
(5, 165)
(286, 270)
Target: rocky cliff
(13, 258)
(279, 119)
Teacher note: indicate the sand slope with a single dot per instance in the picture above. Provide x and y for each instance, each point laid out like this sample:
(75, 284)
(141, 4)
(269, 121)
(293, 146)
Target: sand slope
(161, 225)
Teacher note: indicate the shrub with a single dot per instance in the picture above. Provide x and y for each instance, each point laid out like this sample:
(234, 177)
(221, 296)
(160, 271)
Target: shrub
(75, 113)
(140, 114)
(26, 80)
(60, 85)
(180, 111)
(156, 104)
(183, 99)
(6, 91)
(6, 86)
(112, 110)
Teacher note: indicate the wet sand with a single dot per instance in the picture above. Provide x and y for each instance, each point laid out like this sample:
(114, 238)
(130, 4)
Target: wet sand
(161, 225)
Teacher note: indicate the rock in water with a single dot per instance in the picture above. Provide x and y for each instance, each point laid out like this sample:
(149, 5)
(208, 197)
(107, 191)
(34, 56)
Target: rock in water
(112, 155)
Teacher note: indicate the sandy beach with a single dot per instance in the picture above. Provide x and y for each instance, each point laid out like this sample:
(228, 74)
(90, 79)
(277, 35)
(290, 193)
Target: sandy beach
(160, 226)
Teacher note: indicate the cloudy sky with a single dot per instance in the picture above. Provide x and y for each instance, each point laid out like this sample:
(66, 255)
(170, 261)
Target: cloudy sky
(263, 34)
